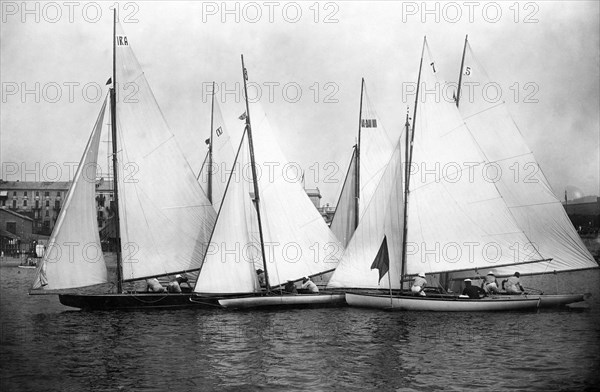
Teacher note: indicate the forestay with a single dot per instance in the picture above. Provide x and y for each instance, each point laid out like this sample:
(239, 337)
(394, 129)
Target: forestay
(74, 256)
(165, 217)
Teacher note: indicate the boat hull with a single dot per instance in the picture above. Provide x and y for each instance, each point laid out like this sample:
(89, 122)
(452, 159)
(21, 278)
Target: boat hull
(554, 300)
(441, 304)
(138, 301)
(285, 301)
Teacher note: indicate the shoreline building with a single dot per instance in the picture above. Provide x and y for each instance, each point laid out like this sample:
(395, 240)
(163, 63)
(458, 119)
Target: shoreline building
(42, 201)
(584, 213)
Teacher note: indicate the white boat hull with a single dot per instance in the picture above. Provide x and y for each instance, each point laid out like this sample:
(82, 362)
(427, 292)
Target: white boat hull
(299, 300)
(433, 304)
(553, 300)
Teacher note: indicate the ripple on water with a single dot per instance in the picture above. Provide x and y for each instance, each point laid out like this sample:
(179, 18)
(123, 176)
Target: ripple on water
(46, 347)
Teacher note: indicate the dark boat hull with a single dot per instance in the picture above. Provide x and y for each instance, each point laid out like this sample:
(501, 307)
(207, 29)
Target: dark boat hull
(138, 301)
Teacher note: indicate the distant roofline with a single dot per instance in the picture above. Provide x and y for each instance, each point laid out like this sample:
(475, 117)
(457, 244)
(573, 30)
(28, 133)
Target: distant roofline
(35, 185)
(16, 214)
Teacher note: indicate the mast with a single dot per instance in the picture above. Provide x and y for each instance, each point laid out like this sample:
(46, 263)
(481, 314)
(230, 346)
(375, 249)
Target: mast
(210, 145)
(357, 168)
(408, 163)
(254, 178)
(462, 64)
(113, 125)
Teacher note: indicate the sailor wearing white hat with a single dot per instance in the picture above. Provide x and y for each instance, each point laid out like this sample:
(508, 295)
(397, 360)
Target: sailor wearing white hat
(491, 285)
(419, 284)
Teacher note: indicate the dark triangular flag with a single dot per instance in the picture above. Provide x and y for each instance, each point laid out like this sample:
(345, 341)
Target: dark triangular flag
(109, 81)
(382, 260)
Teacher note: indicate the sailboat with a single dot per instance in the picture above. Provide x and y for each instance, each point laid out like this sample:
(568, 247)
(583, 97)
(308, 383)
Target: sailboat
(451, 221)
(265, 221)
(162, 218)
(369, 157)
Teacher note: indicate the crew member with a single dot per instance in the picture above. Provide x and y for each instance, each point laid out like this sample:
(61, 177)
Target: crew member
(419, 284)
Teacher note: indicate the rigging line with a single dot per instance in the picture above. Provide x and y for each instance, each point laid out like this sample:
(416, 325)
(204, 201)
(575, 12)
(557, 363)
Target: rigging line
(159, 145)
(374, 175)
(380, 184)
(202, 167)
(536, 204)
(451, 130)
(513, 157)
(465, 118)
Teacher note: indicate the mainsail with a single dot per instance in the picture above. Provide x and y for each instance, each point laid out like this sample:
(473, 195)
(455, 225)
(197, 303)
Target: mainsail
(376, 147)
(523, 187)
(372, 153)
(74, 255)
(297, 241)
(457, 219)
(165, 217)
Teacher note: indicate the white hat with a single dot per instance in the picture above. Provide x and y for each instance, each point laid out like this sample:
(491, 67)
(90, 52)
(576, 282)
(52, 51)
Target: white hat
(491, 273)
(177, 276)
(422, 274)
(467, 280)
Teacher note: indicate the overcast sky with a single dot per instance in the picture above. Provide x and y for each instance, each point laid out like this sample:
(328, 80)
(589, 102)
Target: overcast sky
(183, 46)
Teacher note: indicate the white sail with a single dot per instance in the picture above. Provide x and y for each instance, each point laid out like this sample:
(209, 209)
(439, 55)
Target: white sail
(376, 147)
(165, 218)
(522, 185)
(229, 265)
(383, 219)
(74, 255)
(457, 218)
(222, 160)
(344, 220)
(297, 240)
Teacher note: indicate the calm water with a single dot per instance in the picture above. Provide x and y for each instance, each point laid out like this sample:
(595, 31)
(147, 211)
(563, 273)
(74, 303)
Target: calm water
(47, 347)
